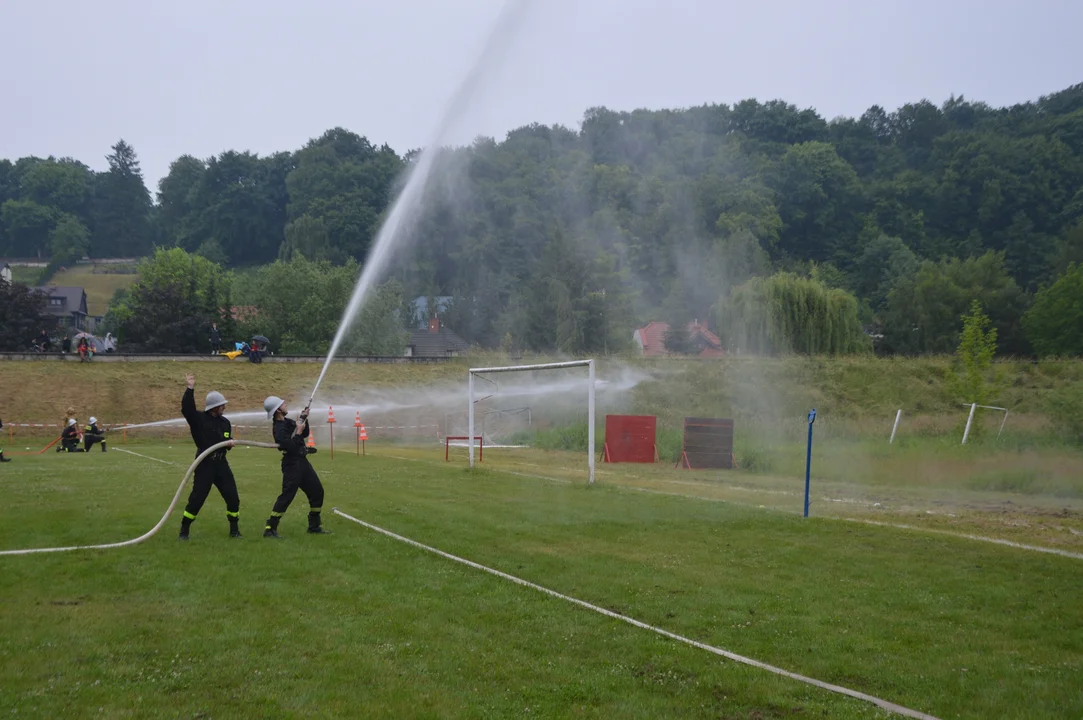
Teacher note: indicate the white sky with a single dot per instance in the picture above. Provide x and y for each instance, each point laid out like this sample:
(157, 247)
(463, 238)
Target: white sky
(204, 76)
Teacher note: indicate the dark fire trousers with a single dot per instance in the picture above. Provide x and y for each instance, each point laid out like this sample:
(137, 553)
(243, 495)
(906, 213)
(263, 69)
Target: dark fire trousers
(213, 471)
(298, 474)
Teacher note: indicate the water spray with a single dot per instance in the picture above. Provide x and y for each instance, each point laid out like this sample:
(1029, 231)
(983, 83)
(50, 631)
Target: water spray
(404, 212)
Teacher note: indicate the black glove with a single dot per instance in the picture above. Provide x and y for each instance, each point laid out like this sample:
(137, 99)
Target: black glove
(310, 451)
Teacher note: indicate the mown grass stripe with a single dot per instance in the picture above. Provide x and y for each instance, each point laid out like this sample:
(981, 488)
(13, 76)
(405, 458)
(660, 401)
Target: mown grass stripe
(879, 702)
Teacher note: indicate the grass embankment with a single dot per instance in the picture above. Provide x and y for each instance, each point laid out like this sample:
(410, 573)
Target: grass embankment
(98, 284)
(27, 275)
(358, 624)
(41, 391)
(858, 396)
(858, 391)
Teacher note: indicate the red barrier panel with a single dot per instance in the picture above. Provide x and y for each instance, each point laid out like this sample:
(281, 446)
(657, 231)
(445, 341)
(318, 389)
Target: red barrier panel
(631, 438)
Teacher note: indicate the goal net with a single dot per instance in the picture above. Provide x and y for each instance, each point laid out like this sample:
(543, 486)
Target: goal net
(492, 423)
(509, 427)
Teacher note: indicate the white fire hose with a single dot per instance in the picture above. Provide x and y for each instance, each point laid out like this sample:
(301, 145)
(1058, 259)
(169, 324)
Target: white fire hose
(169, 510)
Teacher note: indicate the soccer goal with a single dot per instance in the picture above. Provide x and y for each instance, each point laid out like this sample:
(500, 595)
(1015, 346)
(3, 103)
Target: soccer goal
(480, 372)
(501, 427)
(970, 418)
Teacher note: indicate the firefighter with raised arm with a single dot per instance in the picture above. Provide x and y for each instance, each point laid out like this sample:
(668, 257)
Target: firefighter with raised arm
(297, 471)
(209, 428)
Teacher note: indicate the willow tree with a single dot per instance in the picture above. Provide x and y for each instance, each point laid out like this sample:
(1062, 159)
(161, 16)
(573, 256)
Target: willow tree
(785, 313)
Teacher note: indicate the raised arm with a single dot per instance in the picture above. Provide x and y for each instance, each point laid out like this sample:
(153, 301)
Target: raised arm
(188, 402)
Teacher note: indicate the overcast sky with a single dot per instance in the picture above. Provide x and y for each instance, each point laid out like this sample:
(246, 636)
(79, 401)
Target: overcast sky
(204, 76)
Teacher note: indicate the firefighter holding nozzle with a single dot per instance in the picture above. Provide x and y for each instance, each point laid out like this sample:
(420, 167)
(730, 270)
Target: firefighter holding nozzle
(93, 435)
(297, 471)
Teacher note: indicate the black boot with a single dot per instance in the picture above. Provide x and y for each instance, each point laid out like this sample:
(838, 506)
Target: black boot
(2, 458)
(314, 524)
(185, 524)
(234, 530)
(271, 529)
(103, 446)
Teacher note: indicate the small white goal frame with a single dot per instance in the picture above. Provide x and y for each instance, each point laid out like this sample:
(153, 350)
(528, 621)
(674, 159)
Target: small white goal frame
(589, 364)
(970, 418)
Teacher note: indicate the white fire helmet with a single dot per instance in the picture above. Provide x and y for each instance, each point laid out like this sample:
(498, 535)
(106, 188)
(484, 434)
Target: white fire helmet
(272, 404)
(214, 399)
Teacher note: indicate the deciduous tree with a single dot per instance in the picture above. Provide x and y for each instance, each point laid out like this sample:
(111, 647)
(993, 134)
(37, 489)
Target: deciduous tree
(1054, 323)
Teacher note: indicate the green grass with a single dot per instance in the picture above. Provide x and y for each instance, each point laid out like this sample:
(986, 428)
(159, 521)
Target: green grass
(148, 391)
(855, 389)
(769, 398)
(99, 286)
(927, 485)
(357, 624)
(27, 275)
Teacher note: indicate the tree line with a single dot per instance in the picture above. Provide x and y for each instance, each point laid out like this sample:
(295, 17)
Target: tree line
(785, 231)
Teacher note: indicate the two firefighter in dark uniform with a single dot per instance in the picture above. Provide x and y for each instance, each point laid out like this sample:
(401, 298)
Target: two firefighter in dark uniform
(211, 427)
(92, 435)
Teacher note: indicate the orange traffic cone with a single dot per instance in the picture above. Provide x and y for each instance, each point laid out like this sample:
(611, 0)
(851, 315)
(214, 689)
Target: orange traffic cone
(311, 442)
(357, 420)
(362, 435)
(331, 423)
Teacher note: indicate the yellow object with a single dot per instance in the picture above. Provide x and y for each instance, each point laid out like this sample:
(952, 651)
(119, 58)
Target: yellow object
(232, 354)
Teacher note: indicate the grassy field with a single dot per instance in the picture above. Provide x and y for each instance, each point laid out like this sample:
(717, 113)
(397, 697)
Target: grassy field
(28, 275)
(1026, 487)
(358, 624)
(99, 286)
(945, 491)
(145, 392)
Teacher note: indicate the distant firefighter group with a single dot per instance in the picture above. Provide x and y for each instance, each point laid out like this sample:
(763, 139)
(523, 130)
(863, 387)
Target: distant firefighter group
(90, 436)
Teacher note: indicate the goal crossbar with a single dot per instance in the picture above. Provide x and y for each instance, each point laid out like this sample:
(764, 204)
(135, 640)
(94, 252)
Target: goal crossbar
(589, 364)
(543, 366)
(970, 418)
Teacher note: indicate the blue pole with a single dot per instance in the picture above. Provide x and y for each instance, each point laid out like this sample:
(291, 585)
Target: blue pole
(808, 457)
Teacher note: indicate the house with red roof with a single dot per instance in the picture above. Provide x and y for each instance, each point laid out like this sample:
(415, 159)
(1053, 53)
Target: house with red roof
(243, 313)
(652, 340)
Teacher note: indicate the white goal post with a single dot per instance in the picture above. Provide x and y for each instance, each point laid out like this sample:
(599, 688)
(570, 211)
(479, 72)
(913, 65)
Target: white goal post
(589, 364)
(970, 418)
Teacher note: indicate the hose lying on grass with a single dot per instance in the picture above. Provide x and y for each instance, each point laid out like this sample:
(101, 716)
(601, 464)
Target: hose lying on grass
(37, 452)
(168, 511)
(879, 702)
